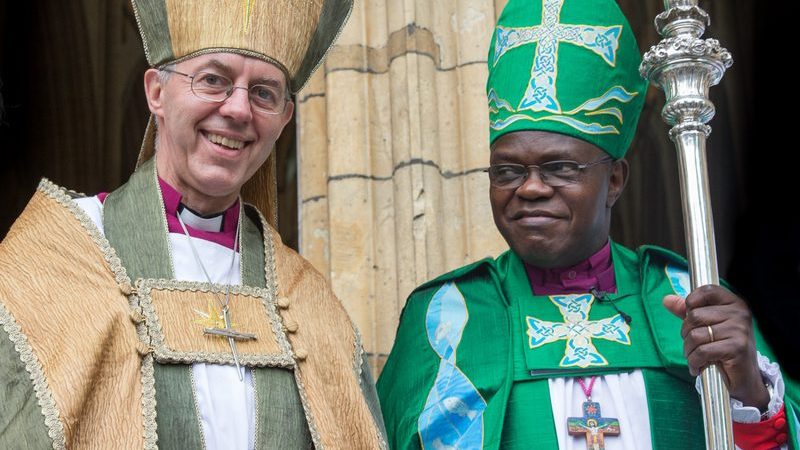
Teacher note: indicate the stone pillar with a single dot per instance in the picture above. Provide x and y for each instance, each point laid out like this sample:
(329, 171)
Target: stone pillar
(392, 140)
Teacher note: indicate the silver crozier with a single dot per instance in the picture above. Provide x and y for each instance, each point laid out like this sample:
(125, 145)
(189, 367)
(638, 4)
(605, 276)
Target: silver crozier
(685, 66)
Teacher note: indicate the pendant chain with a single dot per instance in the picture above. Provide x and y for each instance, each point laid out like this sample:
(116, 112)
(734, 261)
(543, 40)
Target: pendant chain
(223, 304)
(587, 391)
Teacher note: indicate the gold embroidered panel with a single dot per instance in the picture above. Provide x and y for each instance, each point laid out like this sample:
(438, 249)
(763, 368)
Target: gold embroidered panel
(175, 314)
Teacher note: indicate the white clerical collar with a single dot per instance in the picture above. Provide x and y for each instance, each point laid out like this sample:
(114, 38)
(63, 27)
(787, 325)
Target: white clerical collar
(198, 222)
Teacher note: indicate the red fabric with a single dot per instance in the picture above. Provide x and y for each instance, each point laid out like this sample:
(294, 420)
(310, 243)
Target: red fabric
(764, 435)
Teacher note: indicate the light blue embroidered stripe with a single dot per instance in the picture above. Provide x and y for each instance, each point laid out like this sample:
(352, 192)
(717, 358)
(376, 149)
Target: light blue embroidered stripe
(588, 128)
(613, 111)
(679, 279)
(617, 93)
(453, 412)
(497, 102)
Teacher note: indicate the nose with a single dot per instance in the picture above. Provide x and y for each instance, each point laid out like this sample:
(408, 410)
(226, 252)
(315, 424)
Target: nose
(237, 106)
(533, 186)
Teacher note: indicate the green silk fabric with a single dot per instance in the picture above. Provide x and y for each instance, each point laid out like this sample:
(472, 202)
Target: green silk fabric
(674, 405)
(492, 355)
(544, 361)
(135, 226)
(565, 67)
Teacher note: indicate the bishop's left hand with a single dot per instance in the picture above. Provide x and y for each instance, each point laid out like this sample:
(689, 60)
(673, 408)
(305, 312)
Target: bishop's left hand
(718, 328)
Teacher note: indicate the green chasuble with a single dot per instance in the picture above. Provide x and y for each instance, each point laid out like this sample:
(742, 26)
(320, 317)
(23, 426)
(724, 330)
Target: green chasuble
(475, 349)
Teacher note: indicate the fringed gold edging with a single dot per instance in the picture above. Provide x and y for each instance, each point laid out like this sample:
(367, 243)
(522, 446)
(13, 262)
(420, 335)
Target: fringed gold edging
(62, 197)
(270, 270)
(149, 403)
(271, 283)
(358, 355)
(153, 335)
(257, 410)
(197, 407)
(55, 429)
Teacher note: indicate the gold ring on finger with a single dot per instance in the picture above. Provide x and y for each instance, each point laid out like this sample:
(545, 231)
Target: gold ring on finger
(710, 332)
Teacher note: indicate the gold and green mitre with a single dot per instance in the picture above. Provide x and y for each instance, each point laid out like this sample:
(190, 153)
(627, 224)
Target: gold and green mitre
(566, 66)
(294, 35)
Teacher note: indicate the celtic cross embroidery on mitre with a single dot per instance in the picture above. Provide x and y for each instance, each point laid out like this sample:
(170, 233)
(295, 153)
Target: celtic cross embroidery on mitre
(540, 94)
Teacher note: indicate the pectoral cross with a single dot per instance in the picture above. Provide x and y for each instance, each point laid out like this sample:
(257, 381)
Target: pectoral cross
(593, 426)
(232, 335)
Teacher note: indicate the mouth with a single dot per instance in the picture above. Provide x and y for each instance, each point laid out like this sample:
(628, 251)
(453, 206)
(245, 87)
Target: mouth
(227, 142)
(533, 213)
(535, 218)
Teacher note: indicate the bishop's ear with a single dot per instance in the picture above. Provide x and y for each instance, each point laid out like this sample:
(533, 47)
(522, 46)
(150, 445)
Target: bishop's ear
(617, 181)
(154, 91)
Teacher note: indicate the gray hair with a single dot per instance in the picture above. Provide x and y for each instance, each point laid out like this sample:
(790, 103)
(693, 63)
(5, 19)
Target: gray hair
(164, 72)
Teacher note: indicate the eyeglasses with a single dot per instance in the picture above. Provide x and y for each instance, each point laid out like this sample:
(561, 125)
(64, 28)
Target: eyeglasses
(216, 88)
(553, 173)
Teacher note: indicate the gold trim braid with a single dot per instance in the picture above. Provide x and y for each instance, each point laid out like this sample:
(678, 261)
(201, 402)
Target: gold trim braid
(149, 403)
(34, 367)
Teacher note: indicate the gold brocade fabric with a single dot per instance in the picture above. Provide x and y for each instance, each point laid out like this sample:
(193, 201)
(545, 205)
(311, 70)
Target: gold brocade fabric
(177, 312)
(72, 312)
(58, 285)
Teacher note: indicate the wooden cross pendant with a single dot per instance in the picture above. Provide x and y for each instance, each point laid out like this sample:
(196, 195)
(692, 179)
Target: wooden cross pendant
(593, 426)
(233, 336)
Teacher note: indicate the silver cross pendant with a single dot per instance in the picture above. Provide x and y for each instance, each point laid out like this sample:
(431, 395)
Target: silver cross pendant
(233, 336)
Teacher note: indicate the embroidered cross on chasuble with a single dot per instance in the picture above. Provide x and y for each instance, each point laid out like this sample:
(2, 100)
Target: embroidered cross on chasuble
(578, 331)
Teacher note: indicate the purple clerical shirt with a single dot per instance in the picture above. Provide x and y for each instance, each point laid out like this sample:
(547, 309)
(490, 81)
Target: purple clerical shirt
(595, 272)
(172, 200)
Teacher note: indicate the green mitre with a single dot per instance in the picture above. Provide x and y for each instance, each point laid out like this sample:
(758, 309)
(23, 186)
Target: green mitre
(566, 66)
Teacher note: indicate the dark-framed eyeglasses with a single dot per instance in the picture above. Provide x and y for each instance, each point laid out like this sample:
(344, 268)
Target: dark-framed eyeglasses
(212, 87)
(552, 173)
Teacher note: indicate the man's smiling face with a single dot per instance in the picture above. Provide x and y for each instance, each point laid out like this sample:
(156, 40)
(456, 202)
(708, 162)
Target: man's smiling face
(208, 150)
(555, 227)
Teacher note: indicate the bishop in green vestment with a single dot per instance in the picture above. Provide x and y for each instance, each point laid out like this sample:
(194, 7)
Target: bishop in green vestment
(569, 340)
